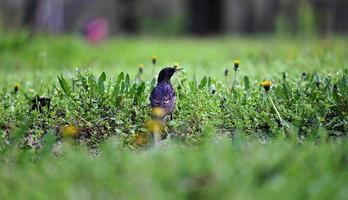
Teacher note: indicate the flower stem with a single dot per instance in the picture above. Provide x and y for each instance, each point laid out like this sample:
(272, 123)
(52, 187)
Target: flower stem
(234, 80)
(278, 114)
(157, 139)
(153, 69)
(227, 84)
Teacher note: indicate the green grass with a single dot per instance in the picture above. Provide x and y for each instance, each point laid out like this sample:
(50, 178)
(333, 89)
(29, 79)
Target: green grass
(41, 58)
(224, 169)
(228, 144)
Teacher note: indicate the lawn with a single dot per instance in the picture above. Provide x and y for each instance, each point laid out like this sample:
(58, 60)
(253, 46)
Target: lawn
(68, 133)
(42, 58)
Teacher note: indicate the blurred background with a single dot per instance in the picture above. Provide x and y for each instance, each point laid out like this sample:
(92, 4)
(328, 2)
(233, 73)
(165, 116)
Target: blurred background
(42, 38)
(175, 17)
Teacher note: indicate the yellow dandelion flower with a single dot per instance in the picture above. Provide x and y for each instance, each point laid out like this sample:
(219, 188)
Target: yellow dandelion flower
(236, 64)
(154, 59)
(158, 112)
(155, 126)
(17, 86)
(266, 85)
(176, 65)
(69, 130)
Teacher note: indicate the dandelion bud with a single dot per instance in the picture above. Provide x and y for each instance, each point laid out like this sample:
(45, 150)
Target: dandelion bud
(226, 72)
(154, 59)
(335, 89)
(141, 67)
(16, 88)
(266, 85)
(176, 65)
(317, 80)
(212, 89)
(236, 64)
(303, 75)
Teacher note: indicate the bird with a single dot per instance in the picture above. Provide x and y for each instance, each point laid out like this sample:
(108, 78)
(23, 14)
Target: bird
(163, 94)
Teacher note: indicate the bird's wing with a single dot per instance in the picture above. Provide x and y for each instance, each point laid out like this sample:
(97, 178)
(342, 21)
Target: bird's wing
(156, 97)
(163, 96)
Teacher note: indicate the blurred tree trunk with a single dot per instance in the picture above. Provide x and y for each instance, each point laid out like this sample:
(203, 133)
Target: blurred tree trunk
(324, 16)
(249, 16)
(128, 15)
(341, 16)
(50, 16)
(205, 16)
(29, 12)
(290, 11)
(265, 13)
(195, 16)
(233, 16)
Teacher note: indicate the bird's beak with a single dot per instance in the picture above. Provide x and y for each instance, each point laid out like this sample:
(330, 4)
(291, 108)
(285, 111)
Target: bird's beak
(178, 69)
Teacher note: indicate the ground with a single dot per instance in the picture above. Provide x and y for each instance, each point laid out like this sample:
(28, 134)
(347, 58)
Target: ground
(84, 133)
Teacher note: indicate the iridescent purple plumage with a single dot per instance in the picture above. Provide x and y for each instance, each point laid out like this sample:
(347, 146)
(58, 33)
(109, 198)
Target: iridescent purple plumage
(163, 95)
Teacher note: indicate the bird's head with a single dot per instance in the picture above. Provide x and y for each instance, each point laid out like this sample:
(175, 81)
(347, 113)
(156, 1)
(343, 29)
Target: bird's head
(166, 73)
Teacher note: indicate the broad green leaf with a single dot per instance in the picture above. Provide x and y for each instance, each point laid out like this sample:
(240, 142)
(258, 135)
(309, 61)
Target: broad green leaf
(132, 90)
(139, 93)
(203, 83)
(120, 77)
(64, 85)
(127, 82)
(117, 87)
(83, 81)
(101, 81)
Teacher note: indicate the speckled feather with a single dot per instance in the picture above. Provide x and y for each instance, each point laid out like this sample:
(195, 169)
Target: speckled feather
(163, 95)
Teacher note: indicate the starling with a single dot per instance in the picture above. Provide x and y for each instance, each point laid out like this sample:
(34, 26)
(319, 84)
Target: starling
(163, 95)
